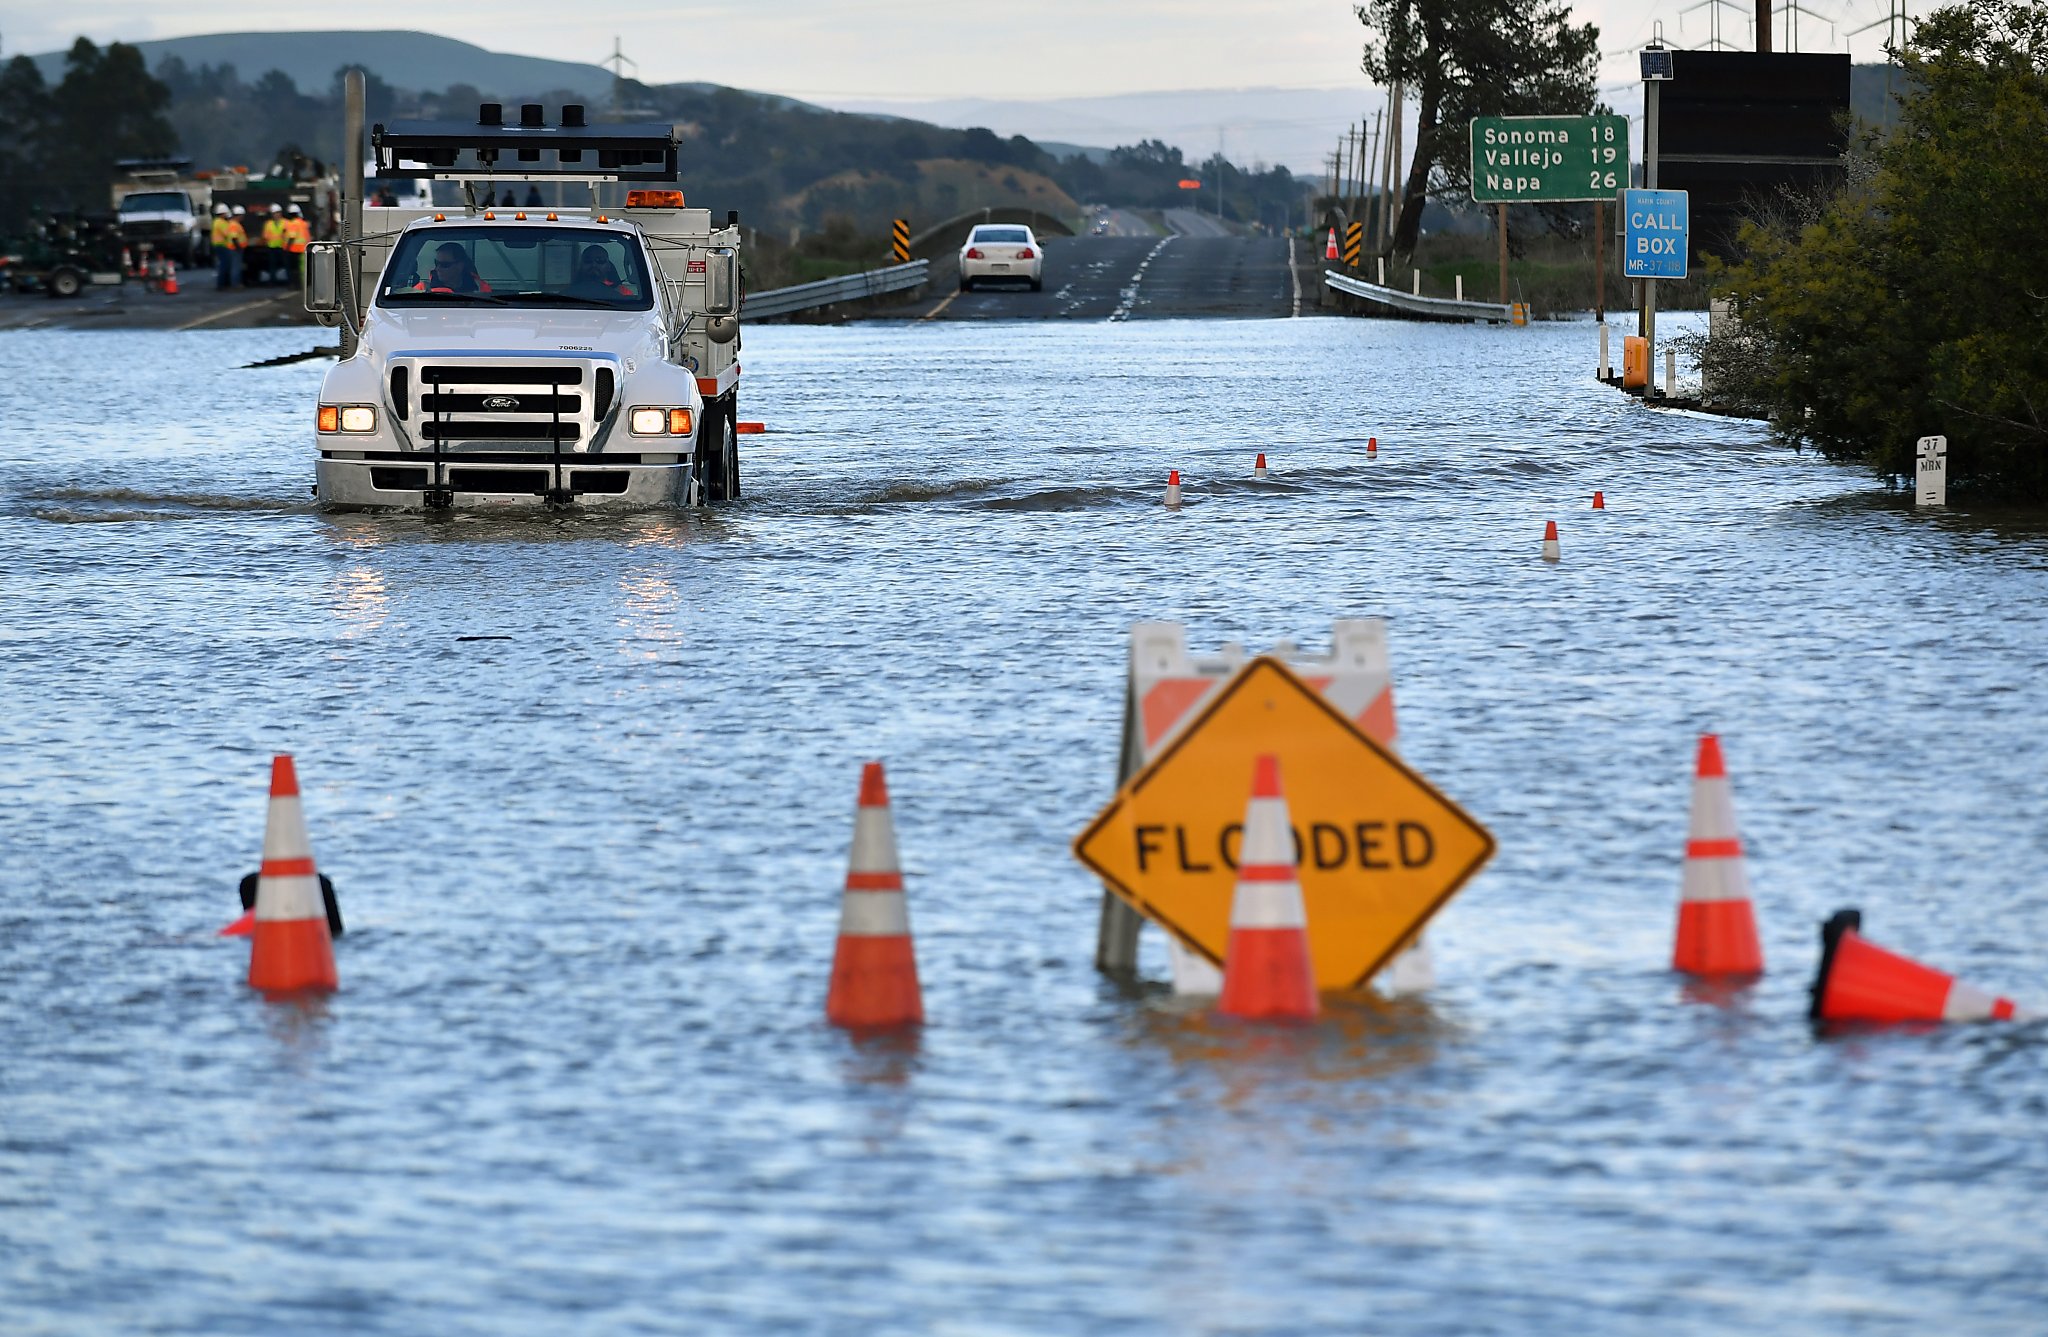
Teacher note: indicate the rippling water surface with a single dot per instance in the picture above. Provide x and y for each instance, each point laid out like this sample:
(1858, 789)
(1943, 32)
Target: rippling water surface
(577, 1077)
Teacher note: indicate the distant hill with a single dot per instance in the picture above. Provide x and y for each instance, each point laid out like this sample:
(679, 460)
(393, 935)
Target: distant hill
(410, 60)
(788, 166)
(1294, 127)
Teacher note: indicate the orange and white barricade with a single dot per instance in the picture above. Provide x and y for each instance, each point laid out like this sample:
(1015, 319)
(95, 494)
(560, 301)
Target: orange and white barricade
(1167, 686)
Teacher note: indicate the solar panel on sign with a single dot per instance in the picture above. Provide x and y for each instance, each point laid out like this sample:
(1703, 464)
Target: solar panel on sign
(1656, 64)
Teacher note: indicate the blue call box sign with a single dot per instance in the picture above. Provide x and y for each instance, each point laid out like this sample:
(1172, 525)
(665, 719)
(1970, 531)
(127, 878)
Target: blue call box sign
(1655, 231)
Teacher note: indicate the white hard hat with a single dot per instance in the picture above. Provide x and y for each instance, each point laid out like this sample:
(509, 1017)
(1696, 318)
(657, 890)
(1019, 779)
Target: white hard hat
(220, 210)
(240, 211)
(293, 211)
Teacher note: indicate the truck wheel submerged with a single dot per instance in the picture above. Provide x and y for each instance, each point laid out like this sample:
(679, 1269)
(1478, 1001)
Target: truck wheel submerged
(715, 470)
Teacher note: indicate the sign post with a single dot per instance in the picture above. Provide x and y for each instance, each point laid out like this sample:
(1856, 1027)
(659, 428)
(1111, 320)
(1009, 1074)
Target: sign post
(1380, 849)
(1546, 160)
(1657, 69)
(1933, 471)
(1656, 243)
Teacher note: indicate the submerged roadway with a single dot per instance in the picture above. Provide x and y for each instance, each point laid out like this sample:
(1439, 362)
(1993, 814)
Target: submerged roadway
(1122, 277)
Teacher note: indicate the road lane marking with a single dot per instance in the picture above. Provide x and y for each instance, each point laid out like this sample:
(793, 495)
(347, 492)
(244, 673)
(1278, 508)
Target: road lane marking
(224, 311)
(1129, 295)
(942, 305)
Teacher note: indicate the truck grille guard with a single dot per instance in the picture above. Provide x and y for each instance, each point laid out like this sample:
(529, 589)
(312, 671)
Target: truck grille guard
(500, 401)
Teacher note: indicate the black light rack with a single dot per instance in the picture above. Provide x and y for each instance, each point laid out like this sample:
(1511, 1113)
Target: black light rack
(457, 151)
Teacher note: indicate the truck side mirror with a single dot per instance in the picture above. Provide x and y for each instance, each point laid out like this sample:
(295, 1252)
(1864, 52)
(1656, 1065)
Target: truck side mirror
(722, 284)
(323, 279)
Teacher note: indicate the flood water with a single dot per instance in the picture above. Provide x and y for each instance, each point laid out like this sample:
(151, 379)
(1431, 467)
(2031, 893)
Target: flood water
(585, 786)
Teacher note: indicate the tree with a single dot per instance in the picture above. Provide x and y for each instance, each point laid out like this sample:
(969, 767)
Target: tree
(1464, 58)
(107, 107)
(25, 114)
(1915, 301)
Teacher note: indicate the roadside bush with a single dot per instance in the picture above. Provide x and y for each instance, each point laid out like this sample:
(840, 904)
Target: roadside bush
(1915, 301)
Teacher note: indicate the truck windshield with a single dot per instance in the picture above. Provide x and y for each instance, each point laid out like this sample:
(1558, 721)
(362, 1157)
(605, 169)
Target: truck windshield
(156, 201)
(516, 264)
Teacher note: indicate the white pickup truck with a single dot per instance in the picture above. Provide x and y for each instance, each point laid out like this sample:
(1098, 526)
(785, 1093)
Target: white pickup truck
(537, 357)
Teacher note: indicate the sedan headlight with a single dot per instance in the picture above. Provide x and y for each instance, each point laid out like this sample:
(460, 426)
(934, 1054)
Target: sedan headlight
(655, 420)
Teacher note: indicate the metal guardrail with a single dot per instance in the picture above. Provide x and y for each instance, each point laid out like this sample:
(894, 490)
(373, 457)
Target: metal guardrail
(1446, 308)
(847, 288)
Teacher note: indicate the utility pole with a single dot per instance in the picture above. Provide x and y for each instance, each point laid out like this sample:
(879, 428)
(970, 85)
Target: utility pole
(1369, 170)
(1393, 161)
(1763, 27)
(617, 62)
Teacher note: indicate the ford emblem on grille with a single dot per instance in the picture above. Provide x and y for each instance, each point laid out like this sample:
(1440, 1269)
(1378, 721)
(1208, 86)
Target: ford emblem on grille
(501, 403)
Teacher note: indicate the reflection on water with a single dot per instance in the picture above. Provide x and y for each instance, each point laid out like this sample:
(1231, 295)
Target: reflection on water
(584, 784)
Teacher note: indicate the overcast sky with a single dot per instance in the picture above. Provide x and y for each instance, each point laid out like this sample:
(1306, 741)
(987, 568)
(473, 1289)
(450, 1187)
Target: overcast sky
(836, 49)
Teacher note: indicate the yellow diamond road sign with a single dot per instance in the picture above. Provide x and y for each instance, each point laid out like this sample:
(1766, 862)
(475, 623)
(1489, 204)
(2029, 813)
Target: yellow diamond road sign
(1380, 849)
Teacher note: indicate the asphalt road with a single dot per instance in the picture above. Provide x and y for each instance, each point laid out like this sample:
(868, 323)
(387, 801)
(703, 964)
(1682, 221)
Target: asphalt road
(1130, 278)
(197, 305)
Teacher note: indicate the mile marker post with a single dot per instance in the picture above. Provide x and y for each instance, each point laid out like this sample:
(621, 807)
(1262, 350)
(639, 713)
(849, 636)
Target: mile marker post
(1932, 471)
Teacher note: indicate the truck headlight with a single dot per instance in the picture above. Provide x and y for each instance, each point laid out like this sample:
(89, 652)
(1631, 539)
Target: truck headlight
(650, 420)
(357, 418)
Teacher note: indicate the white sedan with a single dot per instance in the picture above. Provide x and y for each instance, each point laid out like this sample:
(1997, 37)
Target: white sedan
(1002, 251)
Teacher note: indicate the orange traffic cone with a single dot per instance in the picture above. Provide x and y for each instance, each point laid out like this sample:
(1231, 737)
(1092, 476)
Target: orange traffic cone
(1259, 466)
(170, 278)
(291, 949)
(1172, 489)
(1550, 549)
(1372, 445)
(1330, 248)
(1266, 970)
(874, 968)
(1860, 981)
(1599, 501)
(1716, 926)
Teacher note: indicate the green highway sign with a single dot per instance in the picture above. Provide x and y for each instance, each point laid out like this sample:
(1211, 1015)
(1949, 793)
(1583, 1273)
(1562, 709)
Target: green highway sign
(1548, 159)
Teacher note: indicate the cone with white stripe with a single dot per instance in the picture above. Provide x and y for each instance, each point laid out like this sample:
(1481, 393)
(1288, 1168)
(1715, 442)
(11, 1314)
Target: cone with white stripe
(1716, 924)
(1267, 974)
(1861, 981)
(1330, 246)
(291, 949)
(874, 968)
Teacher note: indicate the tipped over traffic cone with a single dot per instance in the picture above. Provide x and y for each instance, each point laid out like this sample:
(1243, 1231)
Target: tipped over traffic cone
(1173, 489)
(1330, 247)
(291, 949)
(1266, 970)
(1550, 548)
(1716, 925)
(1259, 466)
(1861, 981)
(874, 968)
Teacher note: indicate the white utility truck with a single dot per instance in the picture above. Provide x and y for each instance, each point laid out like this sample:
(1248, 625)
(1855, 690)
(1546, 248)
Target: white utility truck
(500, 357)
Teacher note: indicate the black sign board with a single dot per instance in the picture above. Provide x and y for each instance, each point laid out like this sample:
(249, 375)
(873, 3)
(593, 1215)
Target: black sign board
(1739, 130)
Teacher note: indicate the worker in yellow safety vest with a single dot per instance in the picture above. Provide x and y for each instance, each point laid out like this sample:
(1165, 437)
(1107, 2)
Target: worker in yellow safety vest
(274, 243)
(228, 241)
(298, 234)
